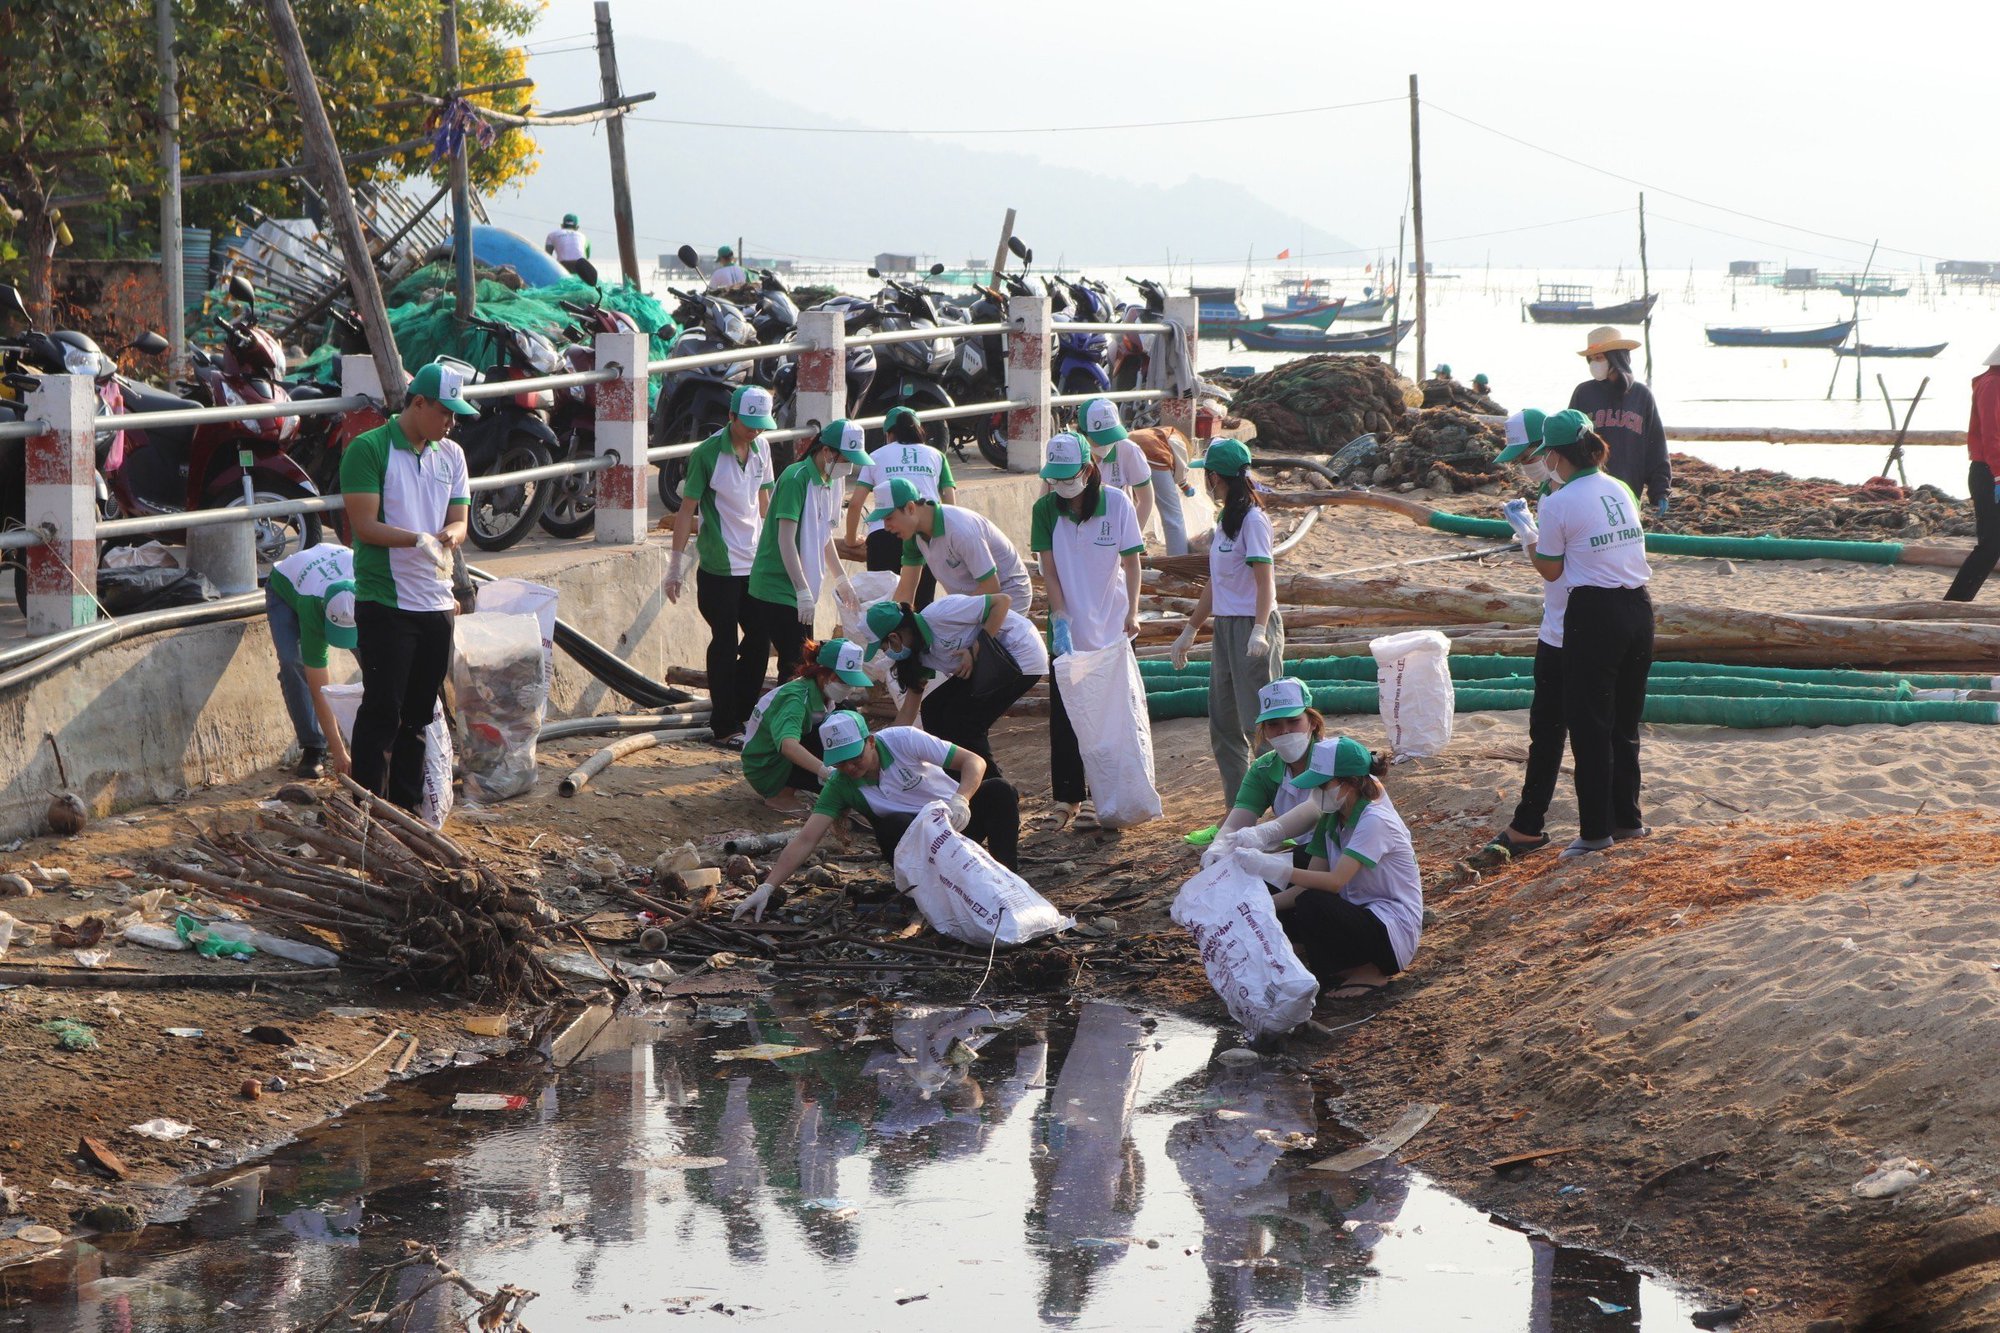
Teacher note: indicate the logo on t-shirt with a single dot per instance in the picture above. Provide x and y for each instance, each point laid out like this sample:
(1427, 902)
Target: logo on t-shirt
(1104, 536)
(1614, 510)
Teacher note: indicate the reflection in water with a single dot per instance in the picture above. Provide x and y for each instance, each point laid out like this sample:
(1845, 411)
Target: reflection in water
(1080, 1168)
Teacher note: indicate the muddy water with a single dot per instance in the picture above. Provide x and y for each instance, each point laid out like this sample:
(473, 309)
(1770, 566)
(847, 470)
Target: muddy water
(1093, 1168)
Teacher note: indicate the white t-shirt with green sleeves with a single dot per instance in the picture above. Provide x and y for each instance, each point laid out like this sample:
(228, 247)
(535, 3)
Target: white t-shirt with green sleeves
(1122, 463)
(925, 468)
(964, 549)
(1232, 585)
(416, 491)
(952, 623)
(726, 492)
(912, 775)
(1089, 559)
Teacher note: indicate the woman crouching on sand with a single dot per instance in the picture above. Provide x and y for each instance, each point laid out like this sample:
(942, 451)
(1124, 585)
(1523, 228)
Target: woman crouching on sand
(1356, 912)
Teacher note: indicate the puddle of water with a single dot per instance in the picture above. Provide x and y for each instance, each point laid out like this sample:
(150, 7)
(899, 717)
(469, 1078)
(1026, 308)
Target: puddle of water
(1085, 1170)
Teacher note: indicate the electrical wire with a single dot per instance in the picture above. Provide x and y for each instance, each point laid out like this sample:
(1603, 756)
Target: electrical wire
(1030, 129)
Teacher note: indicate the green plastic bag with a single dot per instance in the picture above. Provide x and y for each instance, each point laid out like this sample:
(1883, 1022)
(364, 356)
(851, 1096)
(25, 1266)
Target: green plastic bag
(193, 932)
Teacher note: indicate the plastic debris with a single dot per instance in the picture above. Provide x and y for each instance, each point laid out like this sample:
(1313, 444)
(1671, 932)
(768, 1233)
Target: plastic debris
(185, 1032)
(71, 1035)
(205, 943)
(1891, 1178)
(488, 1101)
(7, 924)
(39, 1235)
(764, 1051)
(92, 957)
(1606, 1307)
(657, 970)
(487, 1025)
(153, 935)
(576, 965)
(163, 1129)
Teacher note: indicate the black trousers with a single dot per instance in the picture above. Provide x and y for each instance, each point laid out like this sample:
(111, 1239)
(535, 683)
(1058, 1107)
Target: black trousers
(786, 634)
(1986, 513)
(1333, 936)
(885, 555)
(583, 268)
(1546, 734)
(738, 648)
(1607, 651)
(404, 658)
(1066, 779)
(954, 713)
(800, 780)
(996, 822)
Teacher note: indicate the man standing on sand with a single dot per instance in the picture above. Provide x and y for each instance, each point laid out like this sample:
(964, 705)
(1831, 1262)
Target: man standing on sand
(1982, 441)
(408, 504)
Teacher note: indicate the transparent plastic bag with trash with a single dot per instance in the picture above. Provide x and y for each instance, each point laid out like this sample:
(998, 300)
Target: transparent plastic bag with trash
(500, 693)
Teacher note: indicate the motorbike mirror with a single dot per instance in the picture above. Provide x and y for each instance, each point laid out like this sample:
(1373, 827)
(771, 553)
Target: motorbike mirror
(11, 305)
(149, 342)
(1020, 250)
(241, 290)
(936, 270)
(687, 256)
(874, 272)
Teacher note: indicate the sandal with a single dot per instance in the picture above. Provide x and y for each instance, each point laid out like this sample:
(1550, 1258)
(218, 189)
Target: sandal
(1356, 990)
(1502, 849)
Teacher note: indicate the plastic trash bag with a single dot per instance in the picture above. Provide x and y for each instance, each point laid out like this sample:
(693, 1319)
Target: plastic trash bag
(439, 757)
(1249, 961)
(1417, 696)
(518, 597)
(498, 686)
(1106, 702)
(869, 588)
(963, 892)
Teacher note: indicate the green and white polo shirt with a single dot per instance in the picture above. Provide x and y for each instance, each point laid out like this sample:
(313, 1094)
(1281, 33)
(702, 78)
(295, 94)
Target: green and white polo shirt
(911, 777)
(963, 547)
(726, 493)
(300, 581)
(1089, 559)
(926, 468)
(417, 491)
(808, 499)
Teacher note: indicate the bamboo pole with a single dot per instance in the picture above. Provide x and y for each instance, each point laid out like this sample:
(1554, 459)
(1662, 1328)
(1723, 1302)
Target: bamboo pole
(1417, 224)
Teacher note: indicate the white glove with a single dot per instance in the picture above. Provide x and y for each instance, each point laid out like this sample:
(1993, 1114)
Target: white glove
(1273, 868)
(1523, 522)
(676, 575)
(959, 813)
(808, 604)
(1220, 849)
(433, 551)
(1268, 836)
(843, 593)
(1259, 645)
(754, 903)
(1182, 645)
(826, 771)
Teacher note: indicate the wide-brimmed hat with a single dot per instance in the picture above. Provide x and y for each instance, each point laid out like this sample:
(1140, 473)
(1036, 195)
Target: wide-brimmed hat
(1993, 357)
(1604, 339)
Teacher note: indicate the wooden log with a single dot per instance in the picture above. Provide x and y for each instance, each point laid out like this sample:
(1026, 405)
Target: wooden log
(304, 907)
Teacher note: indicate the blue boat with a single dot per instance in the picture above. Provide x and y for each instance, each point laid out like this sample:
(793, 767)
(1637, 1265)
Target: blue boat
(1375, 307)
(1924, 353)
(1288, 338)
(1563, 304)
(1830, 335)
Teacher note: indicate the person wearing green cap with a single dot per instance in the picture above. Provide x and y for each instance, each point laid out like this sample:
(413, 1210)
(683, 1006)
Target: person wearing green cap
(904, 454)
(572, 249)
(1590, 539)
(1087, 535)
(795, 551)
(781, 741)
(1120, 460)
(1289, 724)
(1356, 912)
(1443, 371)
(727, 273)
(962, 547)
(986, 654)
(728, 483)
(888, 778)
(408, 503)
(309, 604)
(1482, 383)
(1242, 598)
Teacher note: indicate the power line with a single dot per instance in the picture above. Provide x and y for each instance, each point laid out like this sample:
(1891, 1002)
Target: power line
(565, 50)
(1785, 246)
(552, 41)
(1040, 129)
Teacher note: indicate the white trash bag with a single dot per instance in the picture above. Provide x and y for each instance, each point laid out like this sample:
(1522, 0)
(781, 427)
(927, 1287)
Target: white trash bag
(876, 585)
(1250, 963)
(518, 597)
(497, 686)
(439, 757)
(1417, 695)
(963, 892)
(1106, 701)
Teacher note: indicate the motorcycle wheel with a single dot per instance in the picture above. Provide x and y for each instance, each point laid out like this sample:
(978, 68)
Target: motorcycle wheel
(674, 470)
(501, 518)
(991, 434)
(277, 538)
(572, 509)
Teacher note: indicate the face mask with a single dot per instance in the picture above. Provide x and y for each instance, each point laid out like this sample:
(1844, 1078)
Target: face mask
(1291, 745)
(1600, 370)
(1070, 487)
(840, 471)
(1535, 470)
(837, 690)
(896, 654)
(1332, 799)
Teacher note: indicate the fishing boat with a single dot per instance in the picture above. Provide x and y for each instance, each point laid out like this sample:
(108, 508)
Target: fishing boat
(1563, 304)
(1312, 312)
(1830, 335)
(1906, 353)
(1869, 287)
(1226, 320)
(1218, 304)
(1291, 338)
(1373, 307)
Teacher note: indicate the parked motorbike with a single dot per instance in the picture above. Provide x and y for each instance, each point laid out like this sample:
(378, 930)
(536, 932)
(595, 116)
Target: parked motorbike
(510, 434)
(1081, 358)
(694, 404)
(910, 374)
(1134, 352)
(858, 315)
(572, 506)
(978, 371)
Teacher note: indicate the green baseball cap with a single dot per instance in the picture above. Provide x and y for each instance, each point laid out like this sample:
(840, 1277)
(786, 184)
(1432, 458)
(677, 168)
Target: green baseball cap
(1101, 423)
(569, 220)
(1524, 432)
(1064, 458)
(1341, 757)
(844, 660)
(1225, 458)
(884, 619)
(897, 416)
(1443, 371)
(1564, 428)
(890, 496)
(1480, 380)
(842, 736)
(724, 252)
(338, 600)
(751, 405)
(1287, 696)
(443, 384)
(846, 439)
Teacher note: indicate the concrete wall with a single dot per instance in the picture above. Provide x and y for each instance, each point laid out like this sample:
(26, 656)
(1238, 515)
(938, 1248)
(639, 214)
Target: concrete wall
(138, 722)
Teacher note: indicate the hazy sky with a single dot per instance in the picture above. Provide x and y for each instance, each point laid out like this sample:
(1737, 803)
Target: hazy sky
(1853, 121)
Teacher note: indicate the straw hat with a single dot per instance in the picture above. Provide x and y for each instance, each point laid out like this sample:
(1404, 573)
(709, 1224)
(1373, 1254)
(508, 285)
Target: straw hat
(1607, 339)
(1994, 358)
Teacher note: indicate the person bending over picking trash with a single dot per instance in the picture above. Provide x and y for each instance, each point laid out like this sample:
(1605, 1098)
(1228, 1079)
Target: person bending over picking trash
(781, 743)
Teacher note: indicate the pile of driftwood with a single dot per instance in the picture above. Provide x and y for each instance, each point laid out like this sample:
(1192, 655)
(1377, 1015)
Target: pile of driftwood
(397, 894)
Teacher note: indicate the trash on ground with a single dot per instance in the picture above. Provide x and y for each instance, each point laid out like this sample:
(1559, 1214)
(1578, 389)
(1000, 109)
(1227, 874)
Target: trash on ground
(162, 1129)
(185, 1032)
(70, 1034)
(95, 1152)
(1891, 1178)
(487, 1025)
(92, 957)
(1408, 1125)
(153, 935)
(488, 1101)
(764, 1051)
(39, 1235)
(1606, 1307)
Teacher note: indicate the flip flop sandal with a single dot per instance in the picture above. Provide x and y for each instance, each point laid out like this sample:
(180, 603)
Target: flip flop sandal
(1352, 991)
(1503, 849)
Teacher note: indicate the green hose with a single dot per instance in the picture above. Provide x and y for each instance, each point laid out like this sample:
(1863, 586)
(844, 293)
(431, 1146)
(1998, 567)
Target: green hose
(1680, 543)
(1159, 674)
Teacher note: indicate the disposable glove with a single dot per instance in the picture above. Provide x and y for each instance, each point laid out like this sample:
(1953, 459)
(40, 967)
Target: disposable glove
(1273, 868)
(1663, 506)
(843, 592)
(807, 604)
(1259, 645)
(1182, 645)
(1523, 522)
(959, 813)
(676, 575)
(433, 551)
(1225, 843)
(1059, 635)
(754, 904)
(1265, 837)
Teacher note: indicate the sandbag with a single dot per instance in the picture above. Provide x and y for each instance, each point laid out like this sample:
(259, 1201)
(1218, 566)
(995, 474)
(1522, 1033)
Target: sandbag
(963, 892)
(1106, 701)
(1414, 678)
(1249, 962)
(439, 756)
(500, 695)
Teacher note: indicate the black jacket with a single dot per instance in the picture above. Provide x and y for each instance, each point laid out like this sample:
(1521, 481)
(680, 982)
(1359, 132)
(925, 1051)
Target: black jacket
(1624, 413)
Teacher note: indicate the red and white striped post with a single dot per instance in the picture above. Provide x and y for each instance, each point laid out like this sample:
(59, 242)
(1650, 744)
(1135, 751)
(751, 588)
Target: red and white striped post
(1029, 342)
(1179, 413)
(821, 393)
(61, 466)
(621, 430)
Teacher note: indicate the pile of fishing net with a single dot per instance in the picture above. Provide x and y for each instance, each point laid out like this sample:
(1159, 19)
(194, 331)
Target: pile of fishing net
(1447, 449)
(1320, 403)
(1452, 393)
(1709, 499)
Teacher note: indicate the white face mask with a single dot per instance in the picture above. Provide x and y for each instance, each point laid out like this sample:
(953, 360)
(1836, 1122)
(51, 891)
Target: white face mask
(1070, 487)
(1600, 370)
(1292, 745)
(840, 471)
(837, 690)
(1332, 798)
(1535, 470)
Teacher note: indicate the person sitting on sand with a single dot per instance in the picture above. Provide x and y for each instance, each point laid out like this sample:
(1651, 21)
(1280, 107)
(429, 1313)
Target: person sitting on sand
(1291, 726)
(1355, 913)
(781, 742)
(889, 778)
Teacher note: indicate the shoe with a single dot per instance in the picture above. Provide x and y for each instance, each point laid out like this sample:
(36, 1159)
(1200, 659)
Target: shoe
(312, 764)
(1627, 834)
(1583, 847)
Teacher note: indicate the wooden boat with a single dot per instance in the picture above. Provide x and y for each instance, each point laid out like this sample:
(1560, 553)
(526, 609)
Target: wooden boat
(1314, 314)
(1870, 287)
(1375, 307)
(1285, 338)
(1558, 304)
(1911, 353)
(1830, 335)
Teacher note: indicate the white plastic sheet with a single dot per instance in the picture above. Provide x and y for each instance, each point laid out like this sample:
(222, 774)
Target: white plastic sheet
(963, 892)
(1106, 702)
(439, 756)
(1249, 961)
(1417, 695)
(501, 692)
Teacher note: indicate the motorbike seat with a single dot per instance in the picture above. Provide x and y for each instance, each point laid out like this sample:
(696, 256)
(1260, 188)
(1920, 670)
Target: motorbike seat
(142, 397)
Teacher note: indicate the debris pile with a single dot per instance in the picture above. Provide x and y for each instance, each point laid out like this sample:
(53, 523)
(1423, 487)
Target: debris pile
(1452, 393)
(1448, 450)
(1320, 403)
(1709, 499)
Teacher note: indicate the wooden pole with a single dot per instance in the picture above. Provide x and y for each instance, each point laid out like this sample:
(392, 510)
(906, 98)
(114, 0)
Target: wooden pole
(1865, 270)
(621, 185)
(1396, 296)
(324, 154)
(461, 181)
(1000, 250)
(1417, 225)
(1645, 286)
(170, 192)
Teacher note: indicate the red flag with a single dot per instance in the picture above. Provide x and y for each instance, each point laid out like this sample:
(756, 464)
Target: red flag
(1285, 253)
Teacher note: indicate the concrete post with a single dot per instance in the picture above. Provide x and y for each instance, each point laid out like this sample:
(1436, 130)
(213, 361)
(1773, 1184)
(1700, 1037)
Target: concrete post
(621, 430)
(821, 393)
(61, 468)
(1179, 413)
(1029, 343)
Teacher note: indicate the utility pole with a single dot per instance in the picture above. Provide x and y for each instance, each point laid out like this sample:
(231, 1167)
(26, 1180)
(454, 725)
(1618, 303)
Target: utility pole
(324, 155)
(1000, 250)
(1417, 227)
(614, 131)
(1396, 297)
(170, 191)
(1645, 287)
(461, 181)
